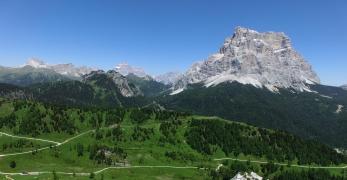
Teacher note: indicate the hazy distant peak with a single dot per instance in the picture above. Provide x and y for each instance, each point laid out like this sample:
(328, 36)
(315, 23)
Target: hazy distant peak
(36, 63)
(125, 69)
(168, 78)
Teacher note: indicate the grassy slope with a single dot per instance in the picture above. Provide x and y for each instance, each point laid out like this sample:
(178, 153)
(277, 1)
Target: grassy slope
(139, 153)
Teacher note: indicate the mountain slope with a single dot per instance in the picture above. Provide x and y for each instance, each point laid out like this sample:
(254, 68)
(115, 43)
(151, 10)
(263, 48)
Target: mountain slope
(99, 88)
(28, 75)
(112, 81)
(148, 86)
(10, 91)
(309, 115)
(249, 57)
(69, 93)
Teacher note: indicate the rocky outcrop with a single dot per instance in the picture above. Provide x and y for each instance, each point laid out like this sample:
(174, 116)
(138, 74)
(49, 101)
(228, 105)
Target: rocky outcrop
(247, 176)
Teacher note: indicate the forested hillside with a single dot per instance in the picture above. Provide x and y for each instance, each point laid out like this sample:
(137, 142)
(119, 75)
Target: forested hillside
(309, 115)
(233, 138)
(103, 137)
(148, 85)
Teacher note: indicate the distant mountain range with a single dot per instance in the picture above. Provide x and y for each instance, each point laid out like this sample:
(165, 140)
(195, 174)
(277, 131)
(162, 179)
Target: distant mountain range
(344, 87)
(28, 75)
(36, 71)
(63, 69)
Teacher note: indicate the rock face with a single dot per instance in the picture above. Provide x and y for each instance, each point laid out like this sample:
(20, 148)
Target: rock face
(126, 69)
(247, 176)
(110, 80)
(168, 78)
(249, 57)
(64, 69)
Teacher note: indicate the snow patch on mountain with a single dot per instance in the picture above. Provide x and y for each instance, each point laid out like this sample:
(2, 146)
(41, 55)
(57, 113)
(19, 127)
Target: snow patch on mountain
(339, 108)
(344, 87)
(215, 80)
(325, 96)
(177, 91)
(259, 59)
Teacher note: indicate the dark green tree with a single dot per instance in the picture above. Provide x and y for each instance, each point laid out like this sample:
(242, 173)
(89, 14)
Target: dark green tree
(13, 164)
(80, 149)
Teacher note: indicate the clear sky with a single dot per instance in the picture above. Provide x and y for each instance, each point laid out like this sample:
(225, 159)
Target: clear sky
(163, 35)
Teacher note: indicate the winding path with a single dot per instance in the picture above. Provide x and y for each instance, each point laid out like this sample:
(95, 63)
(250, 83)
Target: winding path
(28, 138)
(283, 164)
(45, 140)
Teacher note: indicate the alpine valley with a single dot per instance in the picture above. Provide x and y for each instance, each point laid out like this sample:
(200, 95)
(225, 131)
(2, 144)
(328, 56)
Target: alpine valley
(255, 109)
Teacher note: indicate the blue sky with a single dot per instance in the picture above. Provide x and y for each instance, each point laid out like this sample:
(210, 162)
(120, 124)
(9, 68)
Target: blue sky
(163, 35)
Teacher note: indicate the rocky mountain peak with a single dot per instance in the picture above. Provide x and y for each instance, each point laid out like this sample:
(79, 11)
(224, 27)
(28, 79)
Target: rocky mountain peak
(247, 39)
(250, 57)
